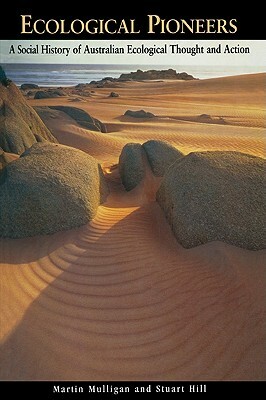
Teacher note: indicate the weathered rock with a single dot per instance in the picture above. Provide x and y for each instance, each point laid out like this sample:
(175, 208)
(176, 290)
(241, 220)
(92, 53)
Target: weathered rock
(161, 156)
(48, 189)
(170, 73)
(82, 118)
(113, 94)
(19, 123)
(216, 196)
(140, 75)
(131, 165)
(139, 114)
(49, 94)
(26, 86)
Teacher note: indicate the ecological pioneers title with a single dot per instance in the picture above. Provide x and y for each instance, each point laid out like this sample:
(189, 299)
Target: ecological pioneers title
(154, 25)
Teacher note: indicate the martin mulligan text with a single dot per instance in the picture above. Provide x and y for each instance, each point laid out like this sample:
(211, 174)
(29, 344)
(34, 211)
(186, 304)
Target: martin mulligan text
(105, 389)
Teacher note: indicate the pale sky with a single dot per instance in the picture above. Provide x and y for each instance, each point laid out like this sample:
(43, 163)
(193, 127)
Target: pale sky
(256, 57)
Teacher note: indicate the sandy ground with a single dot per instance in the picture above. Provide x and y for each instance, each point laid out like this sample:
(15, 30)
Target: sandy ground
(119, 298)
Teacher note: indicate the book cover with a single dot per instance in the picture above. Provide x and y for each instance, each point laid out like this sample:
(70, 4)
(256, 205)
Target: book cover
(132, 194)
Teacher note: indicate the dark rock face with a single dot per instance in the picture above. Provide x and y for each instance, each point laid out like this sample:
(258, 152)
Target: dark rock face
(49, 94)
(216, 195)
(140, 75)
(26, 86)
(131, 165)
(19, 123)
(139, 114)
(48, 189)
(82, 118)
(161, 156)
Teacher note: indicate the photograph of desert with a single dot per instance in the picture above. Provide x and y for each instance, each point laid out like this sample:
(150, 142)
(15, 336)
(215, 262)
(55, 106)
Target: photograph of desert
(132, 228)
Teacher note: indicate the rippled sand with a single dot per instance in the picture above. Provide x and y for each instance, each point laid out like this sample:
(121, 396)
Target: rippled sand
(119, 298)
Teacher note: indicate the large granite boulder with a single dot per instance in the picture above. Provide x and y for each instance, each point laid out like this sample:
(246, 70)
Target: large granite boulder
(216, 195)
(82, 118)
(49, 188)
(161, 156)
(19, 123)
(131, 165)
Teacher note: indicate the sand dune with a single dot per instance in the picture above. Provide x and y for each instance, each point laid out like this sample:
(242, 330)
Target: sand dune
(119, 298)
(240, 101)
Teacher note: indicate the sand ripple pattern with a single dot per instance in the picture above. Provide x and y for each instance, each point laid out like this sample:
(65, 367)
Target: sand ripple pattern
(120, 299)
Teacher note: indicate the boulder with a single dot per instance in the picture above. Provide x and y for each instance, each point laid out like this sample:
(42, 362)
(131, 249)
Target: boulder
(113, 94)
(216, 195)
(49, 94)
(82, 118)
(131, 165)
(49, 188)
(139, 114)
(28, 86)
(19, 123)
(161, 156)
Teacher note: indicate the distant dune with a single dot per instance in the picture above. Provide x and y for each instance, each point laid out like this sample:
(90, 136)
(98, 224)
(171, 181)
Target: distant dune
(119, 298)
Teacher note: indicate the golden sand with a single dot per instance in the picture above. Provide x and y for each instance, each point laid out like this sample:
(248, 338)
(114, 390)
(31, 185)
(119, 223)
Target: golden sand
(119, 298)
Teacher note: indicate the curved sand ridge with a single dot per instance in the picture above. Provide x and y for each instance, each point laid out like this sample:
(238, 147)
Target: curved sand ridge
(119, 298)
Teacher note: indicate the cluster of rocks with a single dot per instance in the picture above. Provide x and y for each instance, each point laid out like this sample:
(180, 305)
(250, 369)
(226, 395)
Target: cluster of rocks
(29, 86)
(49, 94)
(205, 196)
(153, 74)
(159, 154)
(140, 75)
(75, 93)
(38, 177)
